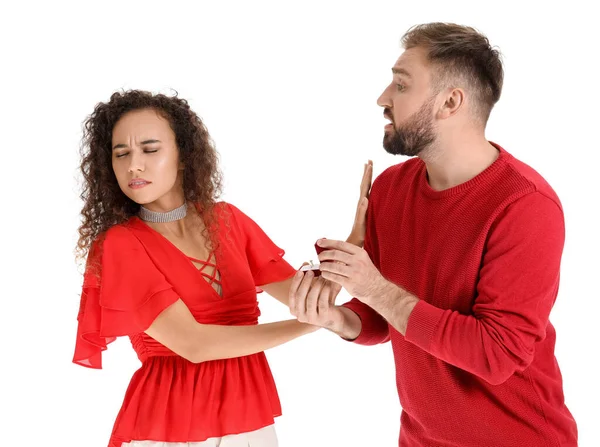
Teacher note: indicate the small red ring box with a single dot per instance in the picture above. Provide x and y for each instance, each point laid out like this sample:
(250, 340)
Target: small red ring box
(313, 267)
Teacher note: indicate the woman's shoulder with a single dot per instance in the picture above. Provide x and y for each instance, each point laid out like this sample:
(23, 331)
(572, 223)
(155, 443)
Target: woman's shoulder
(223, 206)
(120, 231)
(231, 219)
(118, 236)
(229, 209)
(226, 212)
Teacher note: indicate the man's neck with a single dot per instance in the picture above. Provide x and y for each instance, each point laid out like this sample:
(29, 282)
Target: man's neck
(458, 160)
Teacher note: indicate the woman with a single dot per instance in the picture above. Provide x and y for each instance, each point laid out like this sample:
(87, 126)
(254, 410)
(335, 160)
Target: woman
(178, 273)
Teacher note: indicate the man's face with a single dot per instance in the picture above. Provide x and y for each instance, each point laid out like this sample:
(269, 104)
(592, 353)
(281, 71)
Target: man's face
(408, 103)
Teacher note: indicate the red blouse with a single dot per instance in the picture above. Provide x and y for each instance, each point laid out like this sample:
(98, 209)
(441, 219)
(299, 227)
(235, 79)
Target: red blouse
(169, 398)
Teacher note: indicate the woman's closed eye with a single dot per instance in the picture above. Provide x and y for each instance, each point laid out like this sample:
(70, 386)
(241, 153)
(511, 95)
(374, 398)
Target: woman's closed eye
(147, 151)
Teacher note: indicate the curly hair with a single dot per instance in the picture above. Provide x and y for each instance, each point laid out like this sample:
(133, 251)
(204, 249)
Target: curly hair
(105, 205)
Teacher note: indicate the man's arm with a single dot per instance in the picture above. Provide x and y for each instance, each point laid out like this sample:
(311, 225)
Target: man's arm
(515, 293)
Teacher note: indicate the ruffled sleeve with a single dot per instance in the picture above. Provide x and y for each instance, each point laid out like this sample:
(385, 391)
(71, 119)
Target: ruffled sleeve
(123, 292)
(265, 259)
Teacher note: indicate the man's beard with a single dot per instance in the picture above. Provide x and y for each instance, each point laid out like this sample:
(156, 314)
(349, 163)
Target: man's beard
(413, 137)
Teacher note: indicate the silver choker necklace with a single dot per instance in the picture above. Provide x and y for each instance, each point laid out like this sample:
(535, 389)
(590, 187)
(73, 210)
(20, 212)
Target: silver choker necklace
(156, 217)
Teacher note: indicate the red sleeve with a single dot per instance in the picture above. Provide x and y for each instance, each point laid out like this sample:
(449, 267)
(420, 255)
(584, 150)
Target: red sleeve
(374, 328)
(265, 259)
(515, 293)
(122, 294)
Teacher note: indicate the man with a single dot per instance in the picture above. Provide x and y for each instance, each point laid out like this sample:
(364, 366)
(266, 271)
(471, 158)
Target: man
(461, 260)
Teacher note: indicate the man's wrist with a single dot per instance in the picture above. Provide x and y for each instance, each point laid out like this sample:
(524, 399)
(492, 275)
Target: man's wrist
(393, 303)
(349, 325)
(379, 291)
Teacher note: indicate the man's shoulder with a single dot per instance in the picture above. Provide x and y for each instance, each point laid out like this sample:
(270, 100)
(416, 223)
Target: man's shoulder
(404, 171)
(533, 178)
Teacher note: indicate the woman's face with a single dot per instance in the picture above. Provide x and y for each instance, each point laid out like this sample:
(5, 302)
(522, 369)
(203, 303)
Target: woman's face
(145, 159)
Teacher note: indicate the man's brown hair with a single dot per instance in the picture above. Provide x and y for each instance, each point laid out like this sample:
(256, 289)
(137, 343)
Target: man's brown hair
(461, 57)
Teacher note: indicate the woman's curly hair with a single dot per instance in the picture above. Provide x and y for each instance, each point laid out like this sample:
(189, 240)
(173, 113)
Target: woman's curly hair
(105, 205)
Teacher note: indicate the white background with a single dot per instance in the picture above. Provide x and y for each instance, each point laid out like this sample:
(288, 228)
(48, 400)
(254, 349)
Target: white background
(288, 91)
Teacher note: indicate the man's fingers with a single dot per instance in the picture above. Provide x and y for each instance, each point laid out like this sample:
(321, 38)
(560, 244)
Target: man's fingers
(339, 245)
(313, 298)
(334, 292)
(339, 268)
(334, 277)
(293, 297)
(302, 293)
(325, 300)
(335, 255)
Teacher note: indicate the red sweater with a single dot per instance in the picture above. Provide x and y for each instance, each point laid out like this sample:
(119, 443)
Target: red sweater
(476, 367)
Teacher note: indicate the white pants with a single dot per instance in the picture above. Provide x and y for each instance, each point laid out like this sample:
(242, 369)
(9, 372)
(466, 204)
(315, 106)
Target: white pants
(264, 437)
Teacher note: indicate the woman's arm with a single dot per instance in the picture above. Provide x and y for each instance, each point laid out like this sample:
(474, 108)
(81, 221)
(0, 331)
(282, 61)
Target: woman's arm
(279, 290)
(177, 329)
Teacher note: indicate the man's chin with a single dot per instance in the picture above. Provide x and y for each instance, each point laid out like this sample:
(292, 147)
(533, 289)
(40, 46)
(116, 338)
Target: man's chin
(388, 144)
(387, 139)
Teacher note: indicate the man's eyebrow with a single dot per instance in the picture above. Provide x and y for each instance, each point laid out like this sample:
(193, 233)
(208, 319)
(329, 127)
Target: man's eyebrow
(121, 146)
(401, 71)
